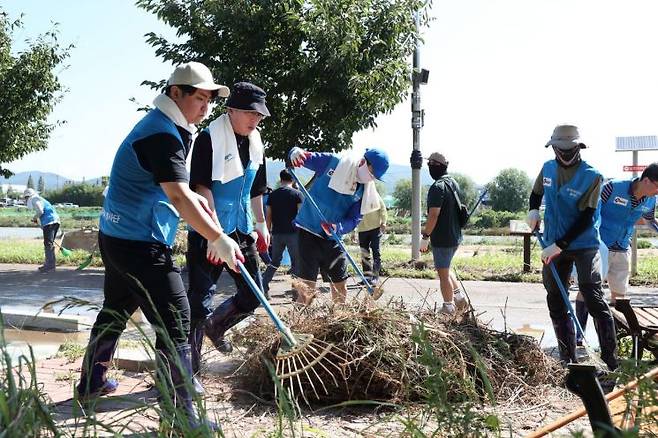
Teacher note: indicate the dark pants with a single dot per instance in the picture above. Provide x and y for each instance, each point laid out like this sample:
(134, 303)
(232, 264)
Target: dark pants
(320, 254)
(203, 275)
(279, 244)
(370, 240)
(144, 275)
(587, 262)
(49, 234)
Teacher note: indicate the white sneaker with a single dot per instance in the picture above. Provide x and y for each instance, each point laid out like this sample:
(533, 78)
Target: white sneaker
(461, 303)
(448, 309)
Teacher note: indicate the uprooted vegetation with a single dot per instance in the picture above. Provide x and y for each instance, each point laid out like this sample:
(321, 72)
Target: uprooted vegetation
(394, 354)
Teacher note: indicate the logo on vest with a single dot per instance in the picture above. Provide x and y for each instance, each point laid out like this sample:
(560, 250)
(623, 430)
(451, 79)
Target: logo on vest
(330, 172)
(228, 157)
(110, 217)
(548, 182)
(574, 193)
(620, 201)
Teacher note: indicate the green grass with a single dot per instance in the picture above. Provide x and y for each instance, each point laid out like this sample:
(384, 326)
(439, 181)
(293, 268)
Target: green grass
(31, 252)
(70, 218)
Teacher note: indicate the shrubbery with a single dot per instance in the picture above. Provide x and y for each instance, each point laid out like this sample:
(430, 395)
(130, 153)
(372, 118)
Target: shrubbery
(494, 219)
(85, 195)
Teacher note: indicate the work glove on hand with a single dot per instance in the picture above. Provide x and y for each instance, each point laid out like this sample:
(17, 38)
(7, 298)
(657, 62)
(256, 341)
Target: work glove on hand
(549, 253)
(298, 156)
(533, 219)
(224, 249)
(263, 240)
(424, 244)
(327, 227)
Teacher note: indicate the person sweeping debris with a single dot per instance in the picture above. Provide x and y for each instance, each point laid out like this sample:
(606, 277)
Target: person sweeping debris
(343, 190)
(624, 203)
(571, 188)
(138, 225)
(46, 216)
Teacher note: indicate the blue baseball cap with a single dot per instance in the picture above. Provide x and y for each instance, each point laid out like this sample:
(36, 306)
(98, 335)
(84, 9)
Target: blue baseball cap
(378, 159)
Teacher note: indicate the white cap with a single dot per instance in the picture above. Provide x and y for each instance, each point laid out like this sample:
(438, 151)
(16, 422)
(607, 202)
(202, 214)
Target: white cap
(198, 76)
(28, 193)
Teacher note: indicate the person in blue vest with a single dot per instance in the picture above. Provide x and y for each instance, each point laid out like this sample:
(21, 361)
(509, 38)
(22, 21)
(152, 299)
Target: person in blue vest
(571, 189)
(138, 223)
(228, 170)
(344, 189)
(624, 203)
(47, 218)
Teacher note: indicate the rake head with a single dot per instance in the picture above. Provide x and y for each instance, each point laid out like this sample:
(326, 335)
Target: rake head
(308, 365)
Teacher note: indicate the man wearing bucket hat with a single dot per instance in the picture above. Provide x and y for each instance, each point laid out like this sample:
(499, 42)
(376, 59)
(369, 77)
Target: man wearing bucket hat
(46, 216)
(138, 224)
(228, 170)
(571, 189)
(624, 203)
(443, 231)
(344, 189)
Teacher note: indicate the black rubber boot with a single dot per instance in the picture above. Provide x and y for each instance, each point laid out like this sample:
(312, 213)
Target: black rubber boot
(195, 339)
(566, 340)
(177, 404)
(98, 357)
(605, 329)
(581, 314)
(223, 318)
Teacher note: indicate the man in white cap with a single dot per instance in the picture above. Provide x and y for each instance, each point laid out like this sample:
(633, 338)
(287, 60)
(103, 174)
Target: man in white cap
(46, 216)
(138, 224)
(443, 232)
(571, 189)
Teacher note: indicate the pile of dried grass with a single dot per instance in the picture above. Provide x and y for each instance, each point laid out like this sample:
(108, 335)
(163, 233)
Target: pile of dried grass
(382, 354)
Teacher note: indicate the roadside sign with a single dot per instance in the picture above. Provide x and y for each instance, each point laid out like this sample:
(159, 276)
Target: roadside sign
(636, 168)
(637, 143)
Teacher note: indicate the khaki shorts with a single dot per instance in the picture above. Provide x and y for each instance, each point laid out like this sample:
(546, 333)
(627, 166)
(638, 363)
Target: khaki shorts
(618, 272)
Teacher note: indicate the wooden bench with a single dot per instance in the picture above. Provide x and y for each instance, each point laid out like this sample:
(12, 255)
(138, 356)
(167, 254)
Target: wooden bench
(640, 322)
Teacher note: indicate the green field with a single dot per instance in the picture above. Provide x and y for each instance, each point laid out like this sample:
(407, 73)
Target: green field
(70, 218)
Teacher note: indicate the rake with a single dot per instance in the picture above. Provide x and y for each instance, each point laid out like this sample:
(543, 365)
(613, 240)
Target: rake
(374, 291)
(302, 360)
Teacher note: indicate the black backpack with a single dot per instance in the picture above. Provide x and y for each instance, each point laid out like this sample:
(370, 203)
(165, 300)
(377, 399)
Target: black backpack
(462, 210)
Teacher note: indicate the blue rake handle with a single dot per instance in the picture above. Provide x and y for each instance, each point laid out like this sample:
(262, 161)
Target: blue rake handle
(563, 291)
(281, 327)
(335, 236)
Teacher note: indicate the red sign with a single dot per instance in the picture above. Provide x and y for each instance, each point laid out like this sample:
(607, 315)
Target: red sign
(638, 168)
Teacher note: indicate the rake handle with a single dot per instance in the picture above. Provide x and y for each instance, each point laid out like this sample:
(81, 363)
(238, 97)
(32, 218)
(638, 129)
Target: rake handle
(335, 236)
(281, 327)
(563, 291)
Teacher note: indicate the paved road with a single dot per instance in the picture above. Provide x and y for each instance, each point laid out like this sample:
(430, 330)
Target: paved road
(503, 305)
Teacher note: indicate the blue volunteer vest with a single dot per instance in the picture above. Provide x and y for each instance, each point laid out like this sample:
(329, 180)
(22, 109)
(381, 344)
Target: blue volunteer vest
(49, 215)
(334, 205)
(135, 207)
(618, 217)
(232, 201)
(562, 205)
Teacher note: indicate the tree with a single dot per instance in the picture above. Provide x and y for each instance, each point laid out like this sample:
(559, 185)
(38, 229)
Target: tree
(509, 190)
(30, 182)
(402, 195)
(41, 185)
(2, 191)
(329, 66)
(11, 193)
(29, 89)
(467, 191)
(84, 195)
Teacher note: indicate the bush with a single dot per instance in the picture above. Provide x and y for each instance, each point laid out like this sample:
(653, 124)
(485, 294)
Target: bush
(495, 219)
(84, 195)
(644, 244)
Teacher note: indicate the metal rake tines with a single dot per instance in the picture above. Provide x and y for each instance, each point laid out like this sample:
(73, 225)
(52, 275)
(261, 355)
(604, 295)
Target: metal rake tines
(308, 365)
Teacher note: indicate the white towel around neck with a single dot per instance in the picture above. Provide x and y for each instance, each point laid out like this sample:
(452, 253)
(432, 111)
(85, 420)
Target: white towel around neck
(171, 110)
(226, 164)
(344, 181)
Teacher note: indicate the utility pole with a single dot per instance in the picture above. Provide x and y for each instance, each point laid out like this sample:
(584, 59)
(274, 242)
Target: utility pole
(419, 77)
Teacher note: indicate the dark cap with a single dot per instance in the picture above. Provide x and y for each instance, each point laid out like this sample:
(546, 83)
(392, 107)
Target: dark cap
(247, 97)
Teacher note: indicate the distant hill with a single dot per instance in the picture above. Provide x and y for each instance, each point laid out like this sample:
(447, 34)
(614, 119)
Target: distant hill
(52, 180)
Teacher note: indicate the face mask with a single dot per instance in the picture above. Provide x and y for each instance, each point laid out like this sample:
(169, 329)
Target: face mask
(363, 174)
(436, 171)
(567, 158)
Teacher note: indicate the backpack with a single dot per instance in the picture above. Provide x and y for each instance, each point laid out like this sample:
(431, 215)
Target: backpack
(462, 210)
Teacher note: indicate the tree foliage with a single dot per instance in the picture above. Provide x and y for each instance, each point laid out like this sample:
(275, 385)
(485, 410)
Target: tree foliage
(30, 182)
(509, 190)
(29, 89)
(402, 195)
(329, 66)
(84, 195)
(41, 185)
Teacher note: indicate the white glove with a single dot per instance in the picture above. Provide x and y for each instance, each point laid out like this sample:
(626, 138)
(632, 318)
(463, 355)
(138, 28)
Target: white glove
(533, 219)
(263, 239)
(549, 253)
(298, 156)
(224, 249)
(424, 244)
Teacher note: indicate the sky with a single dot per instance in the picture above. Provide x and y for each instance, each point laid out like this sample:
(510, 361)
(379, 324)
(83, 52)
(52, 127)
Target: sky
(503, 73)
